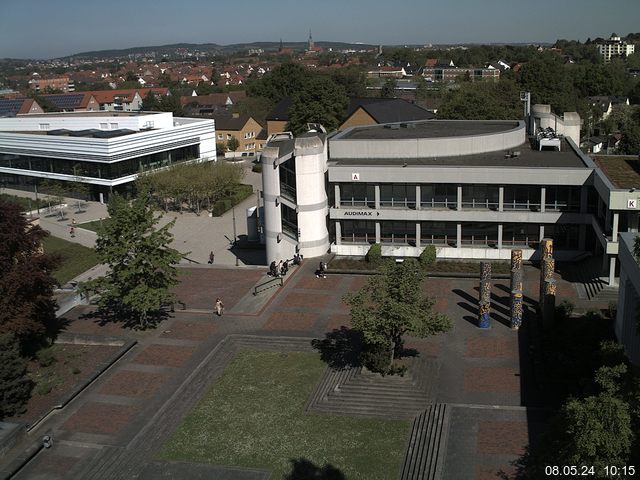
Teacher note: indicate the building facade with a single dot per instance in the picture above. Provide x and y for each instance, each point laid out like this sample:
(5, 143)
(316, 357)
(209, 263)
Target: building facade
(615, 47)
(106, 150)
(473, 189)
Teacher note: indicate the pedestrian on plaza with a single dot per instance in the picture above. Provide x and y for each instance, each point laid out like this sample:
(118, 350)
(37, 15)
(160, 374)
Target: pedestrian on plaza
(72, 232)
(279, 268)
(73, 222)
(321, 270)
(285, 268)
(272, 269)
(211, 257)
(219, 307)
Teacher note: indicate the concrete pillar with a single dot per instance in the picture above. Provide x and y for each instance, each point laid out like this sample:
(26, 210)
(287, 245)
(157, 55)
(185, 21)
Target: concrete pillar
(583, 198)
(378, 235)
(418, 198)
(516, 309)
(338, 225)
(547, 266)
(459, 235)
(549, 306)
(336, 194)
(377, 198)
(543, 198)
(459, 198)
(582, 237)
(612, 271)
(484, 298)
(541, 235)
(417, 234)
(616, 222)
(499, 236)
(501, 199)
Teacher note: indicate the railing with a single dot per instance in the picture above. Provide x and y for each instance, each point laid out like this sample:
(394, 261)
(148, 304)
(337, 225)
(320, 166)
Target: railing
(268, 284)
(358, 238)
(513, 205)
(481, 204)
(439, 204)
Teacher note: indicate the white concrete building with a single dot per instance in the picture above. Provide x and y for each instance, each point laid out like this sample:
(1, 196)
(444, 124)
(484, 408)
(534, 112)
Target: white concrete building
(615, 47)
(106, 150)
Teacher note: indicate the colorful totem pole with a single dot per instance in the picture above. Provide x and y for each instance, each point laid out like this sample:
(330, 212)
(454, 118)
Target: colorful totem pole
(547, 282)
(484, 303)
(516, 289)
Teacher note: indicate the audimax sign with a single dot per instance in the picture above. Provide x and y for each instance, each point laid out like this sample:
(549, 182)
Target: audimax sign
(359, 213)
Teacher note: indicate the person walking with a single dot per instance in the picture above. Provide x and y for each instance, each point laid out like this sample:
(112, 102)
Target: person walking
(321, 270)
(211, 257)
(219, 307)
(72, 232)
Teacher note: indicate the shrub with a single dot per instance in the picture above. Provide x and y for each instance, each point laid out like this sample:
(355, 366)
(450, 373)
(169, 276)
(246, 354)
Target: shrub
(564, 310)
(15, 385)
(374, 255)
(428, 256)
(376, 356)
(45, 357)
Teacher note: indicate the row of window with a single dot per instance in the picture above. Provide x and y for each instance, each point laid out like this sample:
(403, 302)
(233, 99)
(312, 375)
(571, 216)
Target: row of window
(100, 170)
(445, 233)
(519, 197)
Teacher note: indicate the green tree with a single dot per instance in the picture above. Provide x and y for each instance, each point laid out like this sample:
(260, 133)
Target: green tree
(319, 100)
(391, 305)
(283, 81)
(388, 89)
(233, 144)
(150, 103)
(141, 263)
(482, 100)
(27, 308)
(15, 385)
(549, 82)
(630, 143)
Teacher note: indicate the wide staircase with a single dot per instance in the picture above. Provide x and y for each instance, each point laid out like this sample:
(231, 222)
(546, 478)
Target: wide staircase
(587, 274)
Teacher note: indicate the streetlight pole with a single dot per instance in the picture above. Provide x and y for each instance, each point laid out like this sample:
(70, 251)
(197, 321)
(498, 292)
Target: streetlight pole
(233, 213)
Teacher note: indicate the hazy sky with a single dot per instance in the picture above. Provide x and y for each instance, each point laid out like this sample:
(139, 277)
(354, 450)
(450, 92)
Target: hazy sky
(52, 28)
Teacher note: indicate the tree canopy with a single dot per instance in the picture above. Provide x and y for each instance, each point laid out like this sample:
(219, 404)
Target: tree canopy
(392, 304)
(319, 100)
(15, 385)
(27, 308)
(141, 263)
(482, 101)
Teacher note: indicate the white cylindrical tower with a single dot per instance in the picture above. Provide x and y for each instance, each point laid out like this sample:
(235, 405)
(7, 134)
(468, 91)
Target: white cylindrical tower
(311, 196)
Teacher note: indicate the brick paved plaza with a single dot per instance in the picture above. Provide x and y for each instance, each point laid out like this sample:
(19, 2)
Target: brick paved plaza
(116, 427)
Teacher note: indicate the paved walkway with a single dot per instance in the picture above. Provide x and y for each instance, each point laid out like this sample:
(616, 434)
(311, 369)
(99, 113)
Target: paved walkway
(116, 428)
(193, 234)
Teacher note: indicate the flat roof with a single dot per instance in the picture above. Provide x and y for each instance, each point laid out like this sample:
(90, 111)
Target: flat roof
(101, 113)
(528, 157)
(428, 129)
(622, 170)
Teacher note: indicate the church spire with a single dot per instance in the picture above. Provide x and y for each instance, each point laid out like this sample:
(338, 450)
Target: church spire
(311, 44)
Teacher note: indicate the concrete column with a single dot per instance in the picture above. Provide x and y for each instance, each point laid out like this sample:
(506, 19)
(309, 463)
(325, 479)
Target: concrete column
(501, 199)
(616, 222)
(541, 233)
(583, 199)
(500, 236)
(336, 193)
(459, 235)
(378, 235)
(417, 234)
(459, 198)
(543, 198)
(377, 201)
(418, 198)
(582, 237)
(612, 271)
(338, 233)
(484, 298)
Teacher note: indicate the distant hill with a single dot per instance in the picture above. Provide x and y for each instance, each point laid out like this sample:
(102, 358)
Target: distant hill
(214, 48)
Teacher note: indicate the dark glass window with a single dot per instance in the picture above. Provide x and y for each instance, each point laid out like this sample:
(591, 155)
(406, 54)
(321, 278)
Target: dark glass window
(522, 234)
(522, 197)
(398, 232)
(439, 196)
(438, 233)
(289, 221)
(358, 195)
(358, 231)
(480, 196)
(481, 234)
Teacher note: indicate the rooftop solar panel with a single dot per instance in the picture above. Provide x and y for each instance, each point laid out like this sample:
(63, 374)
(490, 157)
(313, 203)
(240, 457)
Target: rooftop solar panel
(10, 106)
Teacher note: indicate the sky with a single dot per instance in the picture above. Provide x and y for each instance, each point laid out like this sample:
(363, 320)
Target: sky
(56, 28)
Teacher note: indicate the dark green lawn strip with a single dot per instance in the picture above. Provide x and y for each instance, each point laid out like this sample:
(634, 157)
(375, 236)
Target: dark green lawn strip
(254, 417)
(75, 258)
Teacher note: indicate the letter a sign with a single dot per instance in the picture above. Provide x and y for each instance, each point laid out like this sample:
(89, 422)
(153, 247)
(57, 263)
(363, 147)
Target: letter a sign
(355, 177)
(632, 203)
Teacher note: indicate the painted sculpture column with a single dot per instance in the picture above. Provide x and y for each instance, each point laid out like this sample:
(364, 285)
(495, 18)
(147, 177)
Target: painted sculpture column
(484, 303)
(547, 283)
(516, 289)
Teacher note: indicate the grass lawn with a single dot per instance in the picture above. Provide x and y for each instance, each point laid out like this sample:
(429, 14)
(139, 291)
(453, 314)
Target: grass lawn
(254, 417)
(75, 258)
(93, 225)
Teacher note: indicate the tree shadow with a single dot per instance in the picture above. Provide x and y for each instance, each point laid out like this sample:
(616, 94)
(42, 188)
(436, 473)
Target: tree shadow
(104, 315)
(340, 348)
(303, 469)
